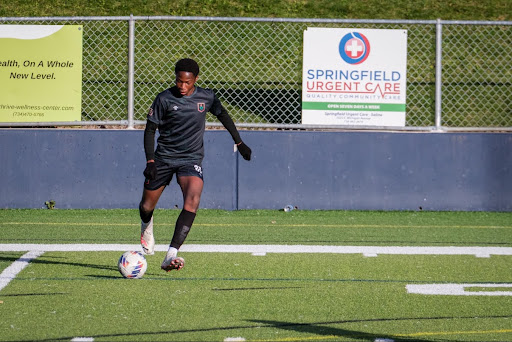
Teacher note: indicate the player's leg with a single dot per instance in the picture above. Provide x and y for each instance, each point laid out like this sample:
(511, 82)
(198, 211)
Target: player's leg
(148, 202)
(191, 187)
(151, 194)
(146, 207)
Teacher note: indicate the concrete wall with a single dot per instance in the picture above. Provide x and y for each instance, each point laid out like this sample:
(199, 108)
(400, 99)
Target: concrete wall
(310, 170)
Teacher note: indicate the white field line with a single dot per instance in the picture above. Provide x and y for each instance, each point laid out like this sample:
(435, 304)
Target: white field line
(16, 267)
(458, 289)
(371, 251)
(35, 250)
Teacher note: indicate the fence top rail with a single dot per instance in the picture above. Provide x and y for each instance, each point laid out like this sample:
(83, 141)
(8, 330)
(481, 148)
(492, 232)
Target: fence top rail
(254, 19)
(432, 129)
(285, 20)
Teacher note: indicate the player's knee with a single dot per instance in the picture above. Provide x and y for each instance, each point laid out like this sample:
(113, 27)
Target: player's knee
(145, 207)
(192, 203)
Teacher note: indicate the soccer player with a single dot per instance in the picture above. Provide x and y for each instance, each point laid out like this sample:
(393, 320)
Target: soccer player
(179, 114)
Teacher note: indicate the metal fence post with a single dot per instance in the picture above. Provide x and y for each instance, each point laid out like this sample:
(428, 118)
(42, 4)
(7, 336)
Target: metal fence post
(439, 56)
(131, 40)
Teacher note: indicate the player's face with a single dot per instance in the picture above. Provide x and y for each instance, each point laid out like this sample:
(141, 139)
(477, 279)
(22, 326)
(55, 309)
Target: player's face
(185, 82)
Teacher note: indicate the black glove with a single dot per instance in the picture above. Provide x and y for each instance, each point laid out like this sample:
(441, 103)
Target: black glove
(244, 150)
(150, 171)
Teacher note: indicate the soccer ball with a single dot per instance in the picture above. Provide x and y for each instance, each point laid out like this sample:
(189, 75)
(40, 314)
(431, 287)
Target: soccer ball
(132, 265)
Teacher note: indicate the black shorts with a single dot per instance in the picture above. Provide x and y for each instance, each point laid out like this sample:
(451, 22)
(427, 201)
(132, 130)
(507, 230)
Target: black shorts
(166, 172)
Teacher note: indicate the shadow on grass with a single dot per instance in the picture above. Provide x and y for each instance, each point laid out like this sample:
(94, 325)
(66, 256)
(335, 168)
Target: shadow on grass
(317, 328)
(44, 260)
(321, 329)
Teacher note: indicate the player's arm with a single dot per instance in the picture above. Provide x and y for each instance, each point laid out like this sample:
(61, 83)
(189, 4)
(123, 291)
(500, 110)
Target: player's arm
(223, 116)
(153, 118)
(149, 149)
(228, 123)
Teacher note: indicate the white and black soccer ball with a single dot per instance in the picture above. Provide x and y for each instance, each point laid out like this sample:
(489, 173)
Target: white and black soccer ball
(132, 265)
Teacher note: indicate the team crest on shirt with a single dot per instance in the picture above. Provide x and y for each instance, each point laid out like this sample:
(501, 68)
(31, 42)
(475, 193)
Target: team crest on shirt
(201, 106)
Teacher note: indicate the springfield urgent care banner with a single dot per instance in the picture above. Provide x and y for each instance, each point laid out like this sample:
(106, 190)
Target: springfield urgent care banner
(40, 73)
(354, 77)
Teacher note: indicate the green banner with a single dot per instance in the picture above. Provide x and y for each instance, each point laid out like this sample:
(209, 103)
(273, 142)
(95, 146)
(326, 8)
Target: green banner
(373, 107)
(40, 73)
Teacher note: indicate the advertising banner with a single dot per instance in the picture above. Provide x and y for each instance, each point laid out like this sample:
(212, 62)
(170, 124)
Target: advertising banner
(40, 73)
(354, 77)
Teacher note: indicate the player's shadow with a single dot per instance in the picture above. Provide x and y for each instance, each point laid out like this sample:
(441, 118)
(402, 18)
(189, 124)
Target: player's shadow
(321, 329)
(44, 260)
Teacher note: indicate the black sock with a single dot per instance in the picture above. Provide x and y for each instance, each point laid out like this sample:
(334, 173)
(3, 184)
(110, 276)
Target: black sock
(183, 225)
(145, 217)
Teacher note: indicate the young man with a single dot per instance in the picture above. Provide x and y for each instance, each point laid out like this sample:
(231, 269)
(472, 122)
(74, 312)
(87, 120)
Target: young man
(179, 114)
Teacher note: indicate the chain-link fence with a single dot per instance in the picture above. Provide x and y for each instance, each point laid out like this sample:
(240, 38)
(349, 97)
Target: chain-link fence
(458, 73)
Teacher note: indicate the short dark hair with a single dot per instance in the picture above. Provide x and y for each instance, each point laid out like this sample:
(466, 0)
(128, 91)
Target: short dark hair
(187, 65)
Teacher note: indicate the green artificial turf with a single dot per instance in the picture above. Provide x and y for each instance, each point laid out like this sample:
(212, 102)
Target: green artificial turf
(66, 295)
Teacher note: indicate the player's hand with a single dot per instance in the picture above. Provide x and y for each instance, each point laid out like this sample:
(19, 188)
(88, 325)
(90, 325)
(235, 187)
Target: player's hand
(151, 170)
(245, 151)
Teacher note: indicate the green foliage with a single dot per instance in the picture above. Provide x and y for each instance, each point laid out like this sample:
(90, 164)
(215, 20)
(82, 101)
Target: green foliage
(476, 89)
(50, 204)
(343, 9)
